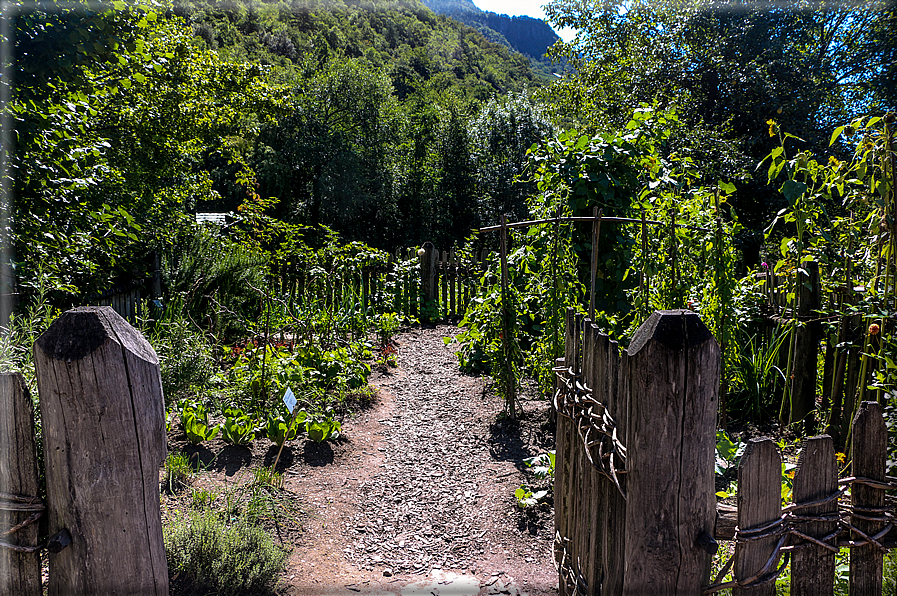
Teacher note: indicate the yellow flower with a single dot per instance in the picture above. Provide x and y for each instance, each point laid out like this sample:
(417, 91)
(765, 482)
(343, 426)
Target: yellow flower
(772, 127)
(841, 458)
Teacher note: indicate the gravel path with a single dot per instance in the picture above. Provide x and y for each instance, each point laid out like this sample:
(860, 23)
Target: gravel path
(442, 496)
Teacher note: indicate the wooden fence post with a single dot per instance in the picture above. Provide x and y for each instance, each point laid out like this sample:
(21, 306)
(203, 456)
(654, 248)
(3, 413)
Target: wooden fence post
(612, 372)
(104, 439)
(816, 477)
(869, 451)
(806, 349)
(19, 502)
(674, 366)
(428, 273)
(759, 504)
(565, 458)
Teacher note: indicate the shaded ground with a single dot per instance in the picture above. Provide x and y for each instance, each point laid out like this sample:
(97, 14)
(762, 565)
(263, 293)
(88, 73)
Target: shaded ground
(417, 497)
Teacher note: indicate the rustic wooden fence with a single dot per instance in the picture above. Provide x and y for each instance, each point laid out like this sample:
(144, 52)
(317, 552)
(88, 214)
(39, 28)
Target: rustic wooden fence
(634, 486)
(103, 429)
(635, 505)
(413, 282)
(126, 301)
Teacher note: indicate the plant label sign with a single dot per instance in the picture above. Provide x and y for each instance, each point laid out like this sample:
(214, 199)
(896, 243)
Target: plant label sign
(289, 400)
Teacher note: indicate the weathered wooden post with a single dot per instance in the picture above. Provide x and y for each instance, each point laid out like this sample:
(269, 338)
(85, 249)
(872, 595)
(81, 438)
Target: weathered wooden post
(104, 439)
(673, 385)
(869, 453)
(428, 272)
(816, 477)
(806, 348)
(759, 506)
(20, 506)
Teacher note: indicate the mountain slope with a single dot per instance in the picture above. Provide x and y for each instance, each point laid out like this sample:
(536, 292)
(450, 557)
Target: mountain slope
(527, 35)
(406, 38)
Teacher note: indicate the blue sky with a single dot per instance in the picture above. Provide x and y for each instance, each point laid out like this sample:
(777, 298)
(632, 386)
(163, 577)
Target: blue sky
(516, 8)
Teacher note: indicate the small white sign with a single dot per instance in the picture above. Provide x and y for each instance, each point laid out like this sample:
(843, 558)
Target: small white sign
(289, 400)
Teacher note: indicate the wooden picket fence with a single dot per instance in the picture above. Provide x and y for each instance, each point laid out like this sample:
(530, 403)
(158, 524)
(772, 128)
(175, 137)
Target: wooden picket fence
(635, 504)
(413, 282)
(103, 429)
(127, 302)
(437, 284)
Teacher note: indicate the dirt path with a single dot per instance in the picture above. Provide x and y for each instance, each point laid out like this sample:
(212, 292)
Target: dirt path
(419, 497)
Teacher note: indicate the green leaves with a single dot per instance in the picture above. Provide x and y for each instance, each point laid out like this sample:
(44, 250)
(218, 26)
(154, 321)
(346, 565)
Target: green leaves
(238, 427)
(526, 498)
(542, 465)
(195, 422)
(793, 190)
(322, 427)
(281, 426)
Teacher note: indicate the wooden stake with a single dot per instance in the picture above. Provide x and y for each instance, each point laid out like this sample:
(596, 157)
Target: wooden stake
(643, 292)
(19, 572)
(506, 314)
(720, 329)
(104, 438)
(596, 235)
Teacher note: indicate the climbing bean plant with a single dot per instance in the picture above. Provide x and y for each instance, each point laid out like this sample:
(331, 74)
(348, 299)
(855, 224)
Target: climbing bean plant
(682, 257)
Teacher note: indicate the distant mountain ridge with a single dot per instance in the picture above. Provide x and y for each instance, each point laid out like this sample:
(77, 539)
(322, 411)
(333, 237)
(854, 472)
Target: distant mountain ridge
(529, 36)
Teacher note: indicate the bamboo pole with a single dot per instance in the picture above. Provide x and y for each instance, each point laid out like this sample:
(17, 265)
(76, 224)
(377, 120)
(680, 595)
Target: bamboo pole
(643, 277)
(720, 330)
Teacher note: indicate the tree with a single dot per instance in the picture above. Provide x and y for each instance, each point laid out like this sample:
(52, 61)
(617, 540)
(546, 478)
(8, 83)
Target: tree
(324, 160)
(110, 137)
(500, 136)
(733, 64)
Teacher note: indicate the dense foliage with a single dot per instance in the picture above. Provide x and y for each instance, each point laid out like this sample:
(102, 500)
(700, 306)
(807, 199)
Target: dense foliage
(329, 131)
(728, 67)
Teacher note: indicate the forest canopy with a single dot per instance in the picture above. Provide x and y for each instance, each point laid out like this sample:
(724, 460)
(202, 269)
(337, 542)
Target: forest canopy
(390, 124)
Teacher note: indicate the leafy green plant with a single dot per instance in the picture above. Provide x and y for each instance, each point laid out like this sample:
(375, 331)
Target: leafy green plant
(386, 324)
(542, 465)
(321, 427)
(195, 422)
(755, 377)
(281, 426)
(728, 456)
(178, 473)
(526, 498)
(237, 428)
(214, 557)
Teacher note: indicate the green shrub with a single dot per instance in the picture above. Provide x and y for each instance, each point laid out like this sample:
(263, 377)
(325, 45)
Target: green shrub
(220, 559)
(185, 351)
